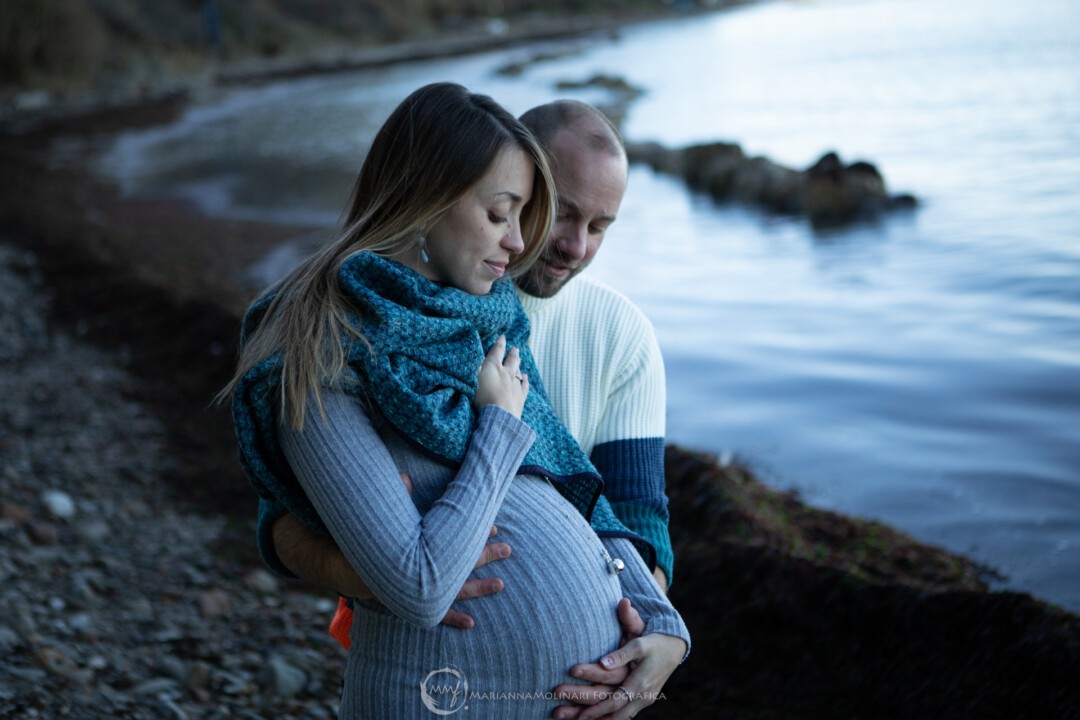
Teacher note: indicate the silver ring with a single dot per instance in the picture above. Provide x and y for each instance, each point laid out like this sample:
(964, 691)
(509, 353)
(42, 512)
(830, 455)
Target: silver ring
(627, 693)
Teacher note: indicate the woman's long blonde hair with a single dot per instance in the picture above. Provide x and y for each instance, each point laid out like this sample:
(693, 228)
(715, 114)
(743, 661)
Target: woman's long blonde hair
(431, 150)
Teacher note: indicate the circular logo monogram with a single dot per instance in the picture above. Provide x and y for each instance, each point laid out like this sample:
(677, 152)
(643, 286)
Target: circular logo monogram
(444, 691)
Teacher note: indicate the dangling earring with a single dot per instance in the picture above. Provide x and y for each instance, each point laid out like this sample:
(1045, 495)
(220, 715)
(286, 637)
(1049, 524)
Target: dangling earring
(423, 250)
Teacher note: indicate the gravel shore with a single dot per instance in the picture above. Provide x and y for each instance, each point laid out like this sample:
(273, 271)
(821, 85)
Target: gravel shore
(119, 599)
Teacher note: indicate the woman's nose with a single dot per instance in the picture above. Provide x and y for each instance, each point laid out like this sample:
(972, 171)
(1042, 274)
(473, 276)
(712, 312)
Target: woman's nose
(513, 241)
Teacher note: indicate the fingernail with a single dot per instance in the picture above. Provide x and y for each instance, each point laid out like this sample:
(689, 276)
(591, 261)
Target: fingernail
(578, 673)
(607, 661)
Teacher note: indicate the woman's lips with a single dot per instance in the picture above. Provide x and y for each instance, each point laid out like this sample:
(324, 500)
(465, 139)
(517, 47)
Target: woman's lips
(498, 269)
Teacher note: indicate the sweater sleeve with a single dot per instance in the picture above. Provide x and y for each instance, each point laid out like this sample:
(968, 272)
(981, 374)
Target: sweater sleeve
(630, 451)
(414, 564)
(638, 585)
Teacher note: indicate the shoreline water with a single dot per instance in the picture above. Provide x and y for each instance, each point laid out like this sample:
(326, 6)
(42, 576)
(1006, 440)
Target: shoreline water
(106, 257)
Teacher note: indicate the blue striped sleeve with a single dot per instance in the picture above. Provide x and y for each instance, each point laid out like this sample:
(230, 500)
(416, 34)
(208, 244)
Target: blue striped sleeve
(633, 472)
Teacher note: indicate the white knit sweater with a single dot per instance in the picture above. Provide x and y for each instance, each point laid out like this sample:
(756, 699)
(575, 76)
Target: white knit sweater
(600, 362)
(602, 370)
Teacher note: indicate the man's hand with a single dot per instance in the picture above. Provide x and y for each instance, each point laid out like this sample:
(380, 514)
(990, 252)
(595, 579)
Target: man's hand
(476, 587)
(319, 560)
(604, 681)
(625, 681)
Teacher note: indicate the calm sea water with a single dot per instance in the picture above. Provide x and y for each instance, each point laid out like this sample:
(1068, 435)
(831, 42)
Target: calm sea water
(923, 370)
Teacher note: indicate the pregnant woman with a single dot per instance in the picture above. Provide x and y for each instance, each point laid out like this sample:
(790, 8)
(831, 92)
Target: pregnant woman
(401, 349)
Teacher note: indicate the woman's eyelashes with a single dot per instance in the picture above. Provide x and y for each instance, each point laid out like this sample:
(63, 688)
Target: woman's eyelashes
(496, 218)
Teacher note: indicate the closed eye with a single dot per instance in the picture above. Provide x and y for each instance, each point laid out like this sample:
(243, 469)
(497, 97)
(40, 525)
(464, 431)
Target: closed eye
(496, 218)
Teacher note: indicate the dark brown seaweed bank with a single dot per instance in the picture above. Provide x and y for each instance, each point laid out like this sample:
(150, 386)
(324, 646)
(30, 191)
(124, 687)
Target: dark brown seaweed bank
(828, 192)
(800, 613)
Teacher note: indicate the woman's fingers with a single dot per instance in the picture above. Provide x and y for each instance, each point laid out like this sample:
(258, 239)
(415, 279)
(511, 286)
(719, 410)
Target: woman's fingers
(652, 658)
(512, 364)
(593, 673)
(512, 361)
(493, 358)
(500, 380)
(584, 694)
(619, 703)
(566, 712)
(498, 350)
(631, 651)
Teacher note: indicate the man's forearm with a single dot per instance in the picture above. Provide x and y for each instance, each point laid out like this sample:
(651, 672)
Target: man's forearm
(316, 558)
(661, 579)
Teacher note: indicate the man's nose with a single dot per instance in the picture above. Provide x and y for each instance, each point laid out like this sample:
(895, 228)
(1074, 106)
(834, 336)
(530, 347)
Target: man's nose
(572, 242)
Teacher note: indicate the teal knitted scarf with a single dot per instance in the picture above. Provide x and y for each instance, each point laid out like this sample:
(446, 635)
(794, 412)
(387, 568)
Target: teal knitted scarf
(418, 372)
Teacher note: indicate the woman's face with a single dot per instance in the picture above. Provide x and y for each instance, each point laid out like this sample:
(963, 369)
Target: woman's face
(470, 247)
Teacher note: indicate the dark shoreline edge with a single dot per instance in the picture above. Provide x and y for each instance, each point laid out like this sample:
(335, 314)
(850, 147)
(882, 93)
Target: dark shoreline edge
(794, 613)
(27, 110)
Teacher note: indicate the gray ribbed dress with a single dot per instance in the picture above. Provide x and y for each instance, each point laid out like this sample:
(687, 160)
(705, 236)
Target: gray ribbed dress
(415, 552)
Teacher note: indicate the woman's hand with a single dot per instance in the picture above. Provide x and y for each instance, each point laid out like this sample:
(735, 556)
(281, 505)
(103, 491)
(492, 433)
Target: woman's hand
(501, 382)
(630, 681)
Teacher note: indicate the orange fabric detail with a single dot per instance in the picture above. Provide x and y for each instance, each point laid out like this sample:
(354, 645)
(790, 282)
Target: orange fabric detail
(342, 623)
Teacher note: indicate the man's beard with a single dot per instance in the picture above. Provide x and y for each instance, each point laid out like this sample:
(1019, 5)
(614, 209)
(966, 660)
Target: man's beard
(539, 283)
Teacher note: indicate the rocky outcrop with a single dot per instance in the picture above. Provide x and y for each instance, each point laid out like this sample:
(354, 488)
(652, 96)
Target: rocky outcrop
(829, 192)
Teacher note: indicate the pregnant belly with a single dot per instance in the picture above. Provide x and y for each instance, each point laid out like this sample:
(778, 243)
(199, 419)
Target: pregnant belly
(557, 609)
(560, 591)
